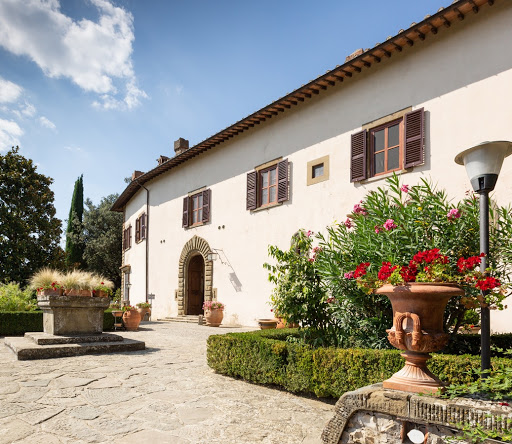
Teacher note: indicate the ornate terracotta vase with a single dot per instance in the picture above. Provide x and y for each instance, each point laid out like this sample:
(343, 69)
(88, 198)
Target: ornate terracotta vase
(418, 310)
(213, 317)
(131, 320)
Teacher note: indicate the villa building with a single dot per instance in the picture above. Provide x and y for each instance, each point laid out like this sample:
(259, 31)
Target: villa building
(197, 226)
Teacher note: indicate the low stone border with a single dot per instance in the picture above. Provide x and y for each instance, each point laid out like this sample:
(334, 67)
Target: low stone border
(381, 414)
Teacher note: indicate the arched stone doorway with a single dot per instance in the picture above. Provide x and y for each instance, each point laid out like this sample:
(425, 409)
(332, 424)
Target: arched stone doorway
(194, 262)
(194, 287)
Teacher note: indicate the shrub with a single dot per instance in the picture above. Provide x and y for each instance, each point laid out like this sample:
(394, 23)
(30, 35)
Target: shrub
(13, 298)
(391, 224)
(298, 295)
(273, 358)
(19, 323)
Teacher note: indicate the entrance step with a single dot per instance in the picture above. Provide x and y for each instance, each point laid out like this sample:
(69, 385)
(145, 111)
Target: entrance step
(191, 319)
(44, 346)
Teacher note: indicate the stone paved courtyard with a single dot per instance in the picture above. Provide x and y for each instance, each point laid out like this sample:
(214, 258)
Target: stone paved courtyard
(165, 394)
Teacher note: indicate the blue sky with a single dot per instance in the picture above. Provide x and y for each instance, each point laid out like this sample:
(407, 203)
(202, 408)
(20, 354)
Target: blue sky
(104, 87)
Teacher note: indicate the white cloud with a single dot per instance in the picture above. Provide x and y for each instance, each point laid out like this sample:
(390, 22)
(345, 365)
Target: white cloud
(9, 92)
(25, 110)
(75, 149)
(96, 56)
(47, 123)
(9, 134)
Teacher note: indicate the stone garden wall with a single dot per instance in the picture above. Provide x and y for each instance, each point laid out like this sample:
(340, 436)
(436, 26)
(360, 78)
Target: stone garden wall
(376, 415)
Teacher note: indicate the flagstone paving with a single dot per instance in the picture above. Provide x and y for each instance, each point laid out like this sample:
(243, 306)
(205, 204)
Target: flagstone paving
(164, 394)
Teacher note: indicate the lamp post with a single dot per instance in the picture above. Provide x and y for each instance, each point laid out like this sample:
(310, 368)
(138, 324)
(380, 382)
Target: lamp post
(483, 164)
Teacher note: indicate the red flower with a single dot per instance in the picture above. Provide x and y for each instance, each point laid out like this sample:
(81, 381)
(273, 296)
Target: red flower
(409, 273)
(430, 256)
(488, 283)
(361, 269)
(468, 264)
(386, 270)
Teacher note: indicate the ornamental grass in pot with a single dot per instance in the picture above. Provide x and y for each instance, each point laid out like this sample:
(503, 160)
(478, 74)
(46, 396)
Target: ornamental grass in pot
(143, 308)
(419, 292)
(46, 282)
(213, 313)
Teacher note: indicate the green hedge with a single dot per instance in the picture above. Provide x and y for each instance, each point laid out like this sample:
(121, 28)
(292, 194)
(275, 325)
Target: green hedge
(17, 323)
(268, 358)
(470, 344)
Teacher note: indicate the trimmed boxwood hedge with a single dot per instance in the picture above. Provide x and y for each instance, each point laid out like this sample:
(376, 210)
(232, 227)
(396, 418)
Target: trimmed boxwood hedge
(17, 323)
(273, 358)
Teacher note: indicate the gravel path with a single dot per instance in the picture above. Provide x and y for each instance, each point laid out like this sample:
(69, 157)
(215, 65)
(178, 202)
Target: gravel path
(165, 394)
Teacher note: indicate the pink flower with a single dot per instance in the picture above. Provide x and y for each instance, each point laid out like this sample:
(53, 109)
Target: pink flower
(377, 229)
(358, 209)
(405, 188)
(311, 259)
(330, 300)
(309, 233)
(389, 225)
(454, 213)
(349, 275)
(348, 223)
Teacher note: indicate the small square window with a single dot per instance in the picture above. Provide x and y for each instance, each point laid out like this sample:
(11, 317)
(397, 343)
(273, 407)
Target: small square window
(318, 170)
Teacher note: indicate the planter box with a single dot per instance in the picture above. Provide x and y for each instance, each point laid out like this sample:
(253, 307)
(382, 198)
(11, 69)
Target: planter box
(66, 315)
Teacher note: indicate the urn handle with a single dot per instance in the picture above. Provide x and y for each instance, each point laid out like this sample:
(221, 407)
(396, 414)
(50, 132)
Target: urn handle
(416, 328)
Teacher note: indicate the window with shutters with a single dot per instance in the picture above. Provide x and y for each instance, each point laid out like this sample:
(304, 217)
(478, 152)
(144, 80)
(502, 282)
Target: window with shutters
(140, 228)
(127, 238)
(268, 185)
(196, 208)
(394, 145)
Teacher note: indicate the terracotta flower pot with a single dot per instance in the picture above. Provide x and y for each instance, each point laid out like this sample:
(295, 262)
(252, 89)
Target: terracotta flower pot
(51, 292)
(214, 317)
(143, 312)
(281, 323)
(418, 310)
(131, 320)
(266, 324)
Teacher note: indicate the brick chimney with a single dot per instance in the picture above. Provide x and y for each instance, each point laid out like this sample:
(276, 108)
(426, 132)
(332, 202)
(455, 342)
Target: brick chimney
(162, 159)
(180, 146)
(136, 174)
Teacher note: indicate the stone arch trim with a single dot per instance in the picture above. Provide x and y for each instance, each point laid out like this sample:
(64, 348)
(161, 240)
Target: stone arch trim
(196, 245)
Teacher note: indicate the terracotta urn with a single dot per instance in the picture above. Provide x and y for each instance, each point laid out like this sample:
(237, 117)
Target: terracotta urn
(213, 317)
(266, 324)
(143, 312)
(418, 310)
(131, 320)
(281, 323)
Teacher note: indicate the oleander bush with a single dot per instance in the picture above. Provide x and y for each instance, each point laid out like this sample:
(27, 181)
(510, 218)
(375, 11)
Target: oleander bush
(17, 323)
(280, 358)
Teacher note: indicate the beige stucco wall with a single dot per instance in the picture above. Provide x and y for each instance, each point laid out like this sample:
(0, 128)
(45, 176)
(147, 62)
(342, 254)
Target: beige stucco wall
(463, 80)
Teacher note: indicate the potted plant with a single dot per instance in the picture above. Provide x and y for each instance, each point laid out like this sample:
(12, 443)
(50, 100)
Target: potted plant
(419, 292)
(213, 313)
(101, 286)
(72, 283)
(131, 317)
(143, 308)
(47, 282)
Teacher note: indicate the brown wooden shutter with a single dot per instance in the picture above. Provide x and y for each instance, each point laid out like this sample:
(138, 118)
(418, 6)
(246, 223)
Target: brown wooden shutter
(143, 226)
(124, 239)
(358, 156)
(130, 236)
(282, 180)
(206, 205)
(414, 151)
(252, 190)
(185, 212)
(137, 229)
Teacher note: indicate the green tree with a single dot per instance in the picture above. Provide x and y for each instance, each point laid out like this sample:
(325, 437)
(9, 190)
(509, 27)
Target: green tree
(29, 231)
(102, 232)
(75, 248)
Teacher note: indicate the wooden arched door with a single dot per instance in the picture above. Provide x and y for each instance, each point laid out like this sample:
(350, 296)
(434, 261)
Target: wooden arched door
(195, 286)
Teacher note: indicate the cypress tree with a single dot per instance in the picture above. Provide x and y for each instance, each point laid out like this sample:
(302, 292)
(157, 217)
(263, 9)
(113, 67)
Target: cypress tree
(74, 246)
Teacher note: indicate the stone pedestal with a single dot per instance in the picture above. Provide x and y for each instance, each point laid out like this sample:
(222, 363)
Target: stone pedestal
(69, 315)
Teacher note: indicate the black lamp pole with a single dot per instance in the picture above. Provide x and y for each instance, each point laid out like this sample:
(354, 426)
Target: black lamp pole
(483, 164)
(485, 315)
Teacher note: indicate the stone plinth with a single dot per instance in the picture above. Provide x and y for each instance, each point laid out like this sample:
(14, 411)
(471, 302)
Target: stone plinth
(40, 345)
(68, 315)
(376, 415)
